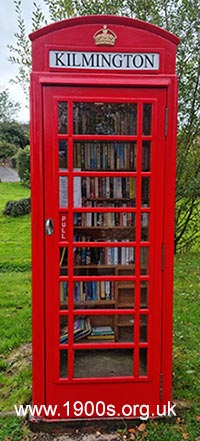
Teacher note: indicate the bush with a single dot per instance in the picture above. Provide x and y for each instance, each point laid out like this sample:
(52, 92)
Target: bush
(14, 133)
(23, 165)
(17, 208)
(7, 150)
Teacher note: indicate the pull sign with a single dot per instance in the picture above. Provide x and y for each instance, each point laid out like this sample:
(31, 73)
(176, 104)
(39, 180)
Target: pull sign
(63, 226)
(49, 227)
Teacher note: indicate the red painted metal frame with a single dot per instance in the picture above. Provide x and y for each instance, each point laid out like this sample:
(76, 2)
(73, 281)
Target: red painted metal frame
(44, 201)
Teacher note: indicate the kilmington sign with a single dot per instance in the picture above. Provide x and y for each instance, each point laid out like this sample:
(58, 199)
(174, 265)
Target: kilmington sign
(103, 60)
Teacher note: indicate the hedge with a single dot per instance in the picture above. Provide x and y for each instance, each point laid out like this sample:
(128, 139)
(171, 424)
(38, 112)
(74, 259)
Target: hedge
(17, 208)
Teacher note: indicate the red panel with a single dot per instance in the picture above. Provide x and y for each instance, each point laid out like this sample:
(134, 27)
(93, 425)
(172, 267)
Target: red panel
(114, 391)
(38, 272)
(77, 35)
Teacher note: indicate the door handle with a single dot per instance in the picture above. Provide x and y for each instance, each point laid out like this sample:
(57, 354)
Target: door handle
(49, 227)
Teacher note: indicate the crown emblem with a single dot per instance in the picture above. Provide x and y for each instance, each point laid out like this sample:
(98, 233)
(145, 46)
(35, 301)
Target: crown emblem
(105, 37)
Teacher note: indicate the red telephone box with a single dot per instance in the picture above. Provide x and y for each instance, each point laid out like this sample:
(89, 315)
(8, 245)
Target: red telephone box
(103, 106)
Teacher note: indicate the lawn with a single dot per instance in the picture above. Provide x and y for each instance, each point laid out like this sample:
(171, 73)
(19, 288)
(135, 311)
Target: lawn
(15, 334)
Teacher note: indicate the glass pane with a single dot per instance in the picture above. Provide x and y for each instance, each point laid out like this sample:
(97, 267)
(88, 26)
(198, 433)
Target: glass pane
(143, 328)
(63, 261)
(87, 294)
(105, 155)
(62, 117)
(143, 361)
(103, 363)
(105, 118)
(144, 227)
(146, 122)
(144, 287)
(126, 291)
(63, 363)
(144, 260)
(106, 192)
(146, 154)
(62, 149)
(103, 220)
(63, 330)
(104, 226)
(104, 328)
(63, 191)
(100, 257)
(104, 294)
(145, 192)
(125, 328)
(63, 295)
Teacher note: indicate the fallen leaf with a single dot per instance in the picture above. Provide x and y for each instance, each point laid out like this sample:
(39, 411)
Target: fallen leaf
(198, 418)
(131, 430)
(185, 435)
(142, 427)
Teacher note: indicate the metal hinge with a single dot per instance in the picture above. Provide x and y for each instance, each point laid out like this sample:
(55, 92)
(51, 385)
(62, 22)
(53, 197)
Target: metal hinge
(161, 386)
(163, 257)
(166, 121)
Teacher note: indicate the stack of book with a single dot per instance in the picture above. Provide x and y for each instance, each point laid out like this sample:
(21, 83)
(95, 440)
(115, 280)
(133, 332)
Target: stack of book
(102, 333)
(82, 328)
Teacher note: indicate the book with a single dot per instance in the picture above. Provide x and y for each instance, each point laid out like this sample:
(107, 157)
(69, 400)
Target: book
(102, 330)
(101, 337)
(82, 328)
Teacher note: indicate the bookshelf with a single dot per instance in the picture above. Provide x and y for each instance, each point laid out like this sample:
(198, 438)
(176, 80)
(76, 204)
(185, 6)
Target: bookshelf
(108, 295)
(102, 233)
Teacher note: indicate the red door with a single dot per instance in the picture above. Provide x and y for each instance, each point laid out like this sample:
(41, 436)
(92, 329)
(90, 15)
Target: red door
(104, 185)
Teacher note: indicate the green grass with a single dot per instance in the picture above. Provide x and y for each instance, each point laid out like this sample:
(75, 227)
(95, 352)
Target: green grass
(186, 327)
(15, 300)
(15, 317)
(15, 333)
(14, 232)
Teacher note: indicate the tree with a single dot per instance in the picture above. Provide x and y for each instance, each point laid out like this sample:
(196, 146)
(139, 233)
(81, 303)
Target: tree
(181, 17)
(14, 133)
(8, 108)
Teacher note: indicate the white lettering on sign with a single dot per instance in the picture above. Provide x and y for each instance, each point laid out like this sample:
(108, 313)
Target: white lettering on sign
(63, 226)
(104, 60)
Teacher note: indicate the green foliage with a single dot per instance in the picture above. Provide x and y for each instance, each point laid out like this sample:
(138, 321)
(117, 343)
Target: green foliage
(23, 165)
(187, 194)
(60, 10)
(7, 150)
(21, 54)
(17, 208)
(14, 133)
(8, 108)
(90, 7)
